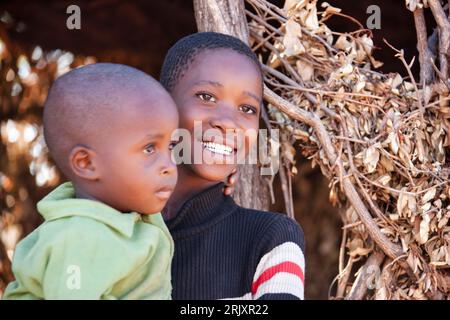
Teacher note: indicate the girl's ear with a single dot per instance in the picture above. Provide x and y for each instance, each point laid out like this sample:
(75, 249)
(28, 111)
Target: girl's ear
(83, 163)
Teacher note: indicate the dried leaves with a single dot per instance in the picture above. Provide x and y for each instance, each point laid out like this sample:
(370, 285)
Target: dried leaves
(391, 135)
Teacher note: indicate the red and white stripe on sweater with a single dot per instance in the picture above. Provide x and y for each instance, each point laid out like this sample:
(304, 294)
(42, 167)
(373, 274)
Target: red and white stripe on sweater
(281, 270)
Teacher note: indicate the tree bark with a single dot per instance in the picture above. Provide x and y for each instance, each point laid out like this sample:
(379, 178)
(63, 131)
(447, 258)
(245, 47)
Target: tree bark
(425, 56)
(224, 16)
(228, 16)
(443, 24)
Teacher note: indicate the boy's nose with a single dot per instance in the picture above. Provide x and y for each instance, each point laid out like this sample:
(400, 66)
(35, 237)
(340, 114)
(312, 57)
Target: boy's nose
(168, 167)
(168, 170)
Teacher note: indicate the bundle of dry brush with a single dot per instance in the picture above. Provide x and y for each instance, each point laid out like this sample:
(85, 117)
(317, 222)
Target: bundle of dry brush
(381, 139)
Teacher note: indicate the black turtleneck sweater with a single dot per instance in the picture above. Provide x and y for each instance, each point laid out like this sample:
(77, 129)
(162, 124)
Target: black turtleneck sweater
(224, 251)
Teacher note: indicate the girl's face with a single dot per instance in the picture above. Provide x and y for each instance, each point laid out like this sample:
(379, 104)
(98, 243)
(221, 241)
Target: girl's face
(222, 91)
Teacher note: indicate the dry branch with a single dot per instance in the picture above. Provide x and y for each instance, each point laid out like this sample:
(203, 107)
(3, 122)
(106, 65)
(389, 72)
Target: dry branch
(367, 271)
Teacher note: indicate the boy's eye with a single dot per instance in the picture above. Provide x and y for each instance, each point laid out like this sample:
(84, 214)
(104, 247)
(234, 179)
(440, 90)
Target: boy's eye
(247, 109)
(206, 97)
(149, 149)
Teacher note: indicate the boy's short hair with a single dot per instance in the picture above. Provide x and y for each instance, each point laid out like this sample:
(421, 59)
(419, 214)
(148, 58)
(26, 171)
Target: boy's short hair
(183, 52)
(80, 102)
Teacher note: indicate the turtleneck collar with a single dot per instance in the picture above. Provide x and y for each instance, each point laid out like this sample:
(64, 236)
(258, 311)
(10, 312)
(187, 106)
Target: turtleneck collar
(203, 209)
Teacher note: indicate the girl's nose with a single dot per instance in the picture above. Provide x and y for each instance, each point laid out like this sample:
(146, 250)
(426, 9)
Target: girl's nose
(224, 121)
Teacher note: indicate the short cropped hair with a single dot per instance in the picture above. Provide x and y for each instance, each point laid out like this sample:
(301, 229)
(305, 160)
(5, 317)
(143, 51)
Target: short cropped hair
(184, 51)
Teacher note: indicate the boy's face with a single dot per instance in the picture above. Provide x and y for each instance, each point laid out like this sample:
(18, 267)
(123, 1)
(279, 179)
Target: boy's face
(135, 164)
(222, 90)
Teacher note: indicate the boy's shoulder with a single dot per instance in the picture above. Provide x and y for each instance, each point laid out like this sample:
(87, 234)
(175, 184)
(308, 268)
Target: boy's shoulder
(97, 233)
(73, 225)
(61, 209)
(59, 232)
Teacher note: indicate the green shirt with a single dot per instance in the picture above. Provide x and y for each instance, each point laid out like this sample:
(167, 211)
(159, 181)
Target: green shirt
(88, 250)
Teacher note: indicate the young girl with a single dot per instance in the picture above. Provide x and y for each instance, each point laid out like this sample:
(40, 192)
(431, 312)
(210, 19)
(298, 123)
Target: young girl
(223, 251)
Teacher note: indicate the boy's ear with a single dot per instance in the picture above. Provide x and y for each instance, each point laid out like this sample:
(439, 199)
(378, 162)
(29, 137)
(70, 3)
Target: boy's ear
(83, 163)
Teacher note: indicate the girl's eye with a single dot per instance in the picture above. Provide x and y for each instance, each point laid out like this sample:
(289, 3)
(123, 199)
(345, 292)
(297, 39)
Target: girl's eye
(247, 109)
(206, 97)
(149, 149)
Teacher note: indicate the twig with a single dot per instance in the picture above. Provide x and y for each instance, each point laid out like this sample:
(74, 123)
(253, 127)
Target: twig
(401, 56)
(342, 250)
(343, 278)
(365, 273)
(286, 189)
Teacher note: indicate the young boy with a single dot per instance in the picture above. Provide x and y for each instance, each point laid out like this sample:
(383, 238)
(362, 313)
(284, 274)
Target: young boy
(108, 128)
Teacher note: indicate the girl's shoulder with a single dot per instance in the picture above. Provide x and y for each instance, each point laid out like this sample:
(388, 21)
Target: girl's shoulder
(271, 227)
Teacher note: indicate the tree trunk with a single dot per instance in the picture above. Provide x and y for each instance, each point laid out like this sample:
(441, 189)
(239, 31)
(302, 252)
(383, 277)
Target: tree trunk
(228, 16)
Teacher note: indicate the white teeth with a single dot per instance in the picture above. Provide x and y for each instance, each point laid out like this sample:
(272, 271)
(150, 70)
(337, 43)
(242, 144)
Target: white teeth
(218, 148)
